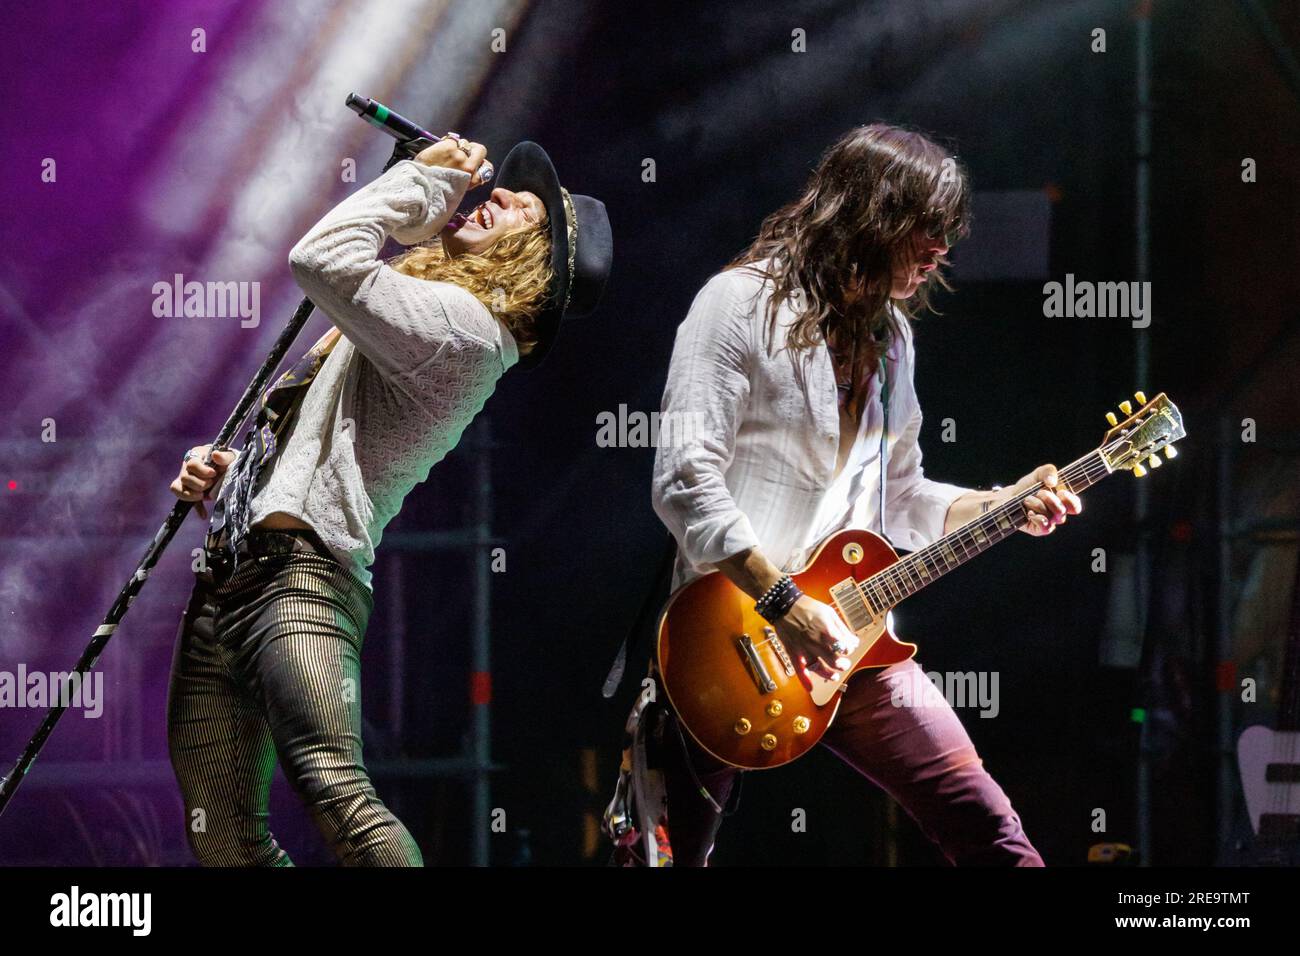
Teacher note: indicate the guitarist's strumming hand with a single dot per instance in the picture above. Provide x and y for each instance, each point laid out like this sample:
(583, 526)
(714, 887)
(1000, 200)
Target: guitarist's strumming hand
(1046, 508)
(810, 630)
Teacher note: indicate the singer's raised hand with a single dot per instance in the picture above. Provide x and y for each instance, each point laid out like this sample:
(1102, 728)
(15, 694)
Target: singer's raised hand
(459, 154)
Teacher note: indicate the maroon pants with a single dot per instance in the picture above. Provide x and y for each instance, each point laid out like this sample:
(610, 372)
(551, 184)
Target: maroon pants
(919, 755)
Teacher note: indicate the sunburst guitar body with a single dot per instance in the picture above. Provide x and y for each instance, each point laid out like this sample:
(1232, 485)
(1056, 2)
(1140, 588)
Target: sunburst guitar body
(738, 690)
(731, 680)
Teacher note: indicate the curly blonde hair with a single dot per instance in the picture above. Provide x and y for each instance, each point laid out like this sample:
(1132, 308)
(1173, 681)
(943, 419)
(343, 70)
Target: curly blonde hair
(512, 278)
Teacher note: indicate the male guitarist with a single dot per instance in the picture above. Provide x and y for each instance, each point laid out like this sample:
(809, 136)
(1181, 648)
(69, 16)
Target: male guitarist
(779, 360)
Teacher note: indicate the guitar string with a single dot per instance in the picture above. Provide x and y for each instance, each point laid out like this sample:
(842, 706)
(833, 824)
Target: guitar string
(901, 579)
(1090, 468)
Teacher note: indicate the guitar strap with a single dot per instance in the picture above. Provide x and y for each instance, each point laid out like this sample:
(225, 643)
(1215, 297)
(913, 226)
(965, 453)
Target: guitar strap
(654, 599)
(884, 431)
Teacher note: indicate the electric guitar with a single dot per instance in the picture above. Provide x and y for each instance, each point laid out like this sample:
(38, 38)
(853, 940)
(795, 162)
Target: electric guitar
(735, 686)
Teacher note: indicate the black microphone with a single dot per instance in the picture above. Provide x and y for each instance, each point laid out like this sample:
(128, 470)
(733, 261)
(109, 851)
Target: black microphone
(411, 139)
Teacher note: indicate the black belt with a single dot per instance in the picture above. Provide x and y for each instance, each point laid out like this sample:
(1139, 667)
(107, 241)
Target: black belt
(265, 542)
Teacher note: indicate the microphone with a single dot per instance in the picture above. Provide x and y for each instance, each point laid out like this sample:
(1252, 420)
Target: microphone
(411, 139)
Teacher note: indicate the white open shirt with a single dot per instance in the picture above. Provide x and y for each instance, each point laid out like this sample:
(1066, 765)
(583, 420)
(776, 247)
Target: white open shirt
(755, 468)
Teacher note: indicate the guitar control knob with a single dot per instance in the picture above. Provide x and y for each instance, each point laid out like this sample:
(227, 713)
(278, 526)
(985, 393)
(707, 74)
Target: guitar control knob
(742, 726)
(774, 709)
(801, 725)
(768, 742)
(1171, 451)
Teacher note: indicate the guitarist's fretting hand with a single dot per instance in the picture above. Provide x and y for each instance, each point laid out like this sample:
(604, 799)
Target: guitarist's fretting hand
(1046, 508)
(810, 630)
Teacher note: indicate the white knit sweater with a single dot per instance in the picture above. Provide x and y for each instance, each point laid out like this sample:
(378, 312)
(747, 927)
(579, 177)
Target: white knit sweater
(416, 363)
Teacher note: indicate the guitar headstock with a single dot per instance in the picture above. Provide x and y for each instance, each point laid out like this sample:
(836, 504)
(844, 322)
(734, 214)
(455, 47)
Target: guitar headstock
(1141, 436)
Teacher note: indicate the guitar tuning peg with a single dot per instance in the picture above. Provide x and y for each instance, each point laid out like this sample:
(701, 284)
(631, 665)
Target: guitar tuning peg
(1141, 397)
(1139, 471)
(1171, 451)
(1126, 408)
(1110, 417)
(1154, 461)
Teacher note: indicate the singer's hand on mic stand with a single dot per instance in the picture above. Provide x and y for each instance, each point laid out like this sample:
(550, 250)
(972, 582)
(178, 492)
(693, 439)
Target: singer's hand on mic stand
(456, 154)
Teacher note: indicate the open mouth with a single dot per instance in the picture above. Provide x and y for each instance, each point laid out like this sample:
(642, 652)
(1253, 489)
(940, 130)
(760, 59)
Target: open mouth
(481, 216)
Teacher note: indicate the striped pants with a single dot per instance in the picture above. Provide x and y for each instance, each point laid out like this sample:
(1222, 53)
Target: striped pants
(267, 665)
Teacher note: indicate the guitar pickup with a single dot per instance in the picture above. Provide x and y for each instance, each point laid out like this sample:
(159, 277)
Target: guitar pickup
(757, 669)
(852, 604)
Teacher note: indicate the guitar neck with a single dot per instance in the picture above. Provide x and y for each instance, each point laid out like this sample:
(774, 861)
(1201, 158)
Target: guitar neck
(908, 575)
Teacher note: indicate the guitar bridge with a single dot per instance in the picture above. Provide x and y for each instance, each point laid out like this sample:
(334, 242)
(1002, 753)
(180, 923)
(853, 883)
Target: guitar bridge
(770, 634)
(756, 666)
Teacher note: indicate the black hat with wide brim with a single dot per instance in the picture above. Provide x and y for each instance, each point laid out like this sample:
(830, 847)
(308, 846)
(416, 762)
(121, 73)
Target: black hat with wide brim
(582, 247)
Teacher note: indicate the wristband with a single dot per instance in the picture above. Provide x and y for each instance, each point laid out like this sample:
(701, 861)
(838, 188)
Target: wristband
(778, 599)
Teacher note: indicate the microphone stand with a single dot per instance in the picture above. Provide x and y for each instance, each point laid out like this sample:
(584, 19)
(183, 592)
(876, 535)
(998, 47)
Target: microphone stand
(405, 149)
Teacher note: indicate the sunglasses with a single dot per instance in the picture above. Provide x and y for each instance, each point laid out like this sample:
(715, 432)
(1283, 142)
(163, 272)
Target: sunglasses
(936, 228)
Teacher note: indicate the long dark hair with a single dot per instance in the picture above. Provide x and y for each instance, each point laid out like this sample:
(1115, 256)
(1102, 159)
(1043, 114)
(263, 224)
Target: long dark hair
(832, 251)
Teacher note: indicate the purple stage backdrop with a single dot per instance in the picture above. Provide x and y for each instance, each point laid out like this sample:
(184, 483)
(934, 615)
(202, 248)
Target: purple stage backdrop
(149, 147)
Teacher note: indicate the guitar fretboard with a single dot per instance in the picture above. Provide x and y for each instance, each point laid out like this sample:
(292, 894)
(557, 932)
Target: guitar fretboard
(908, 575)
